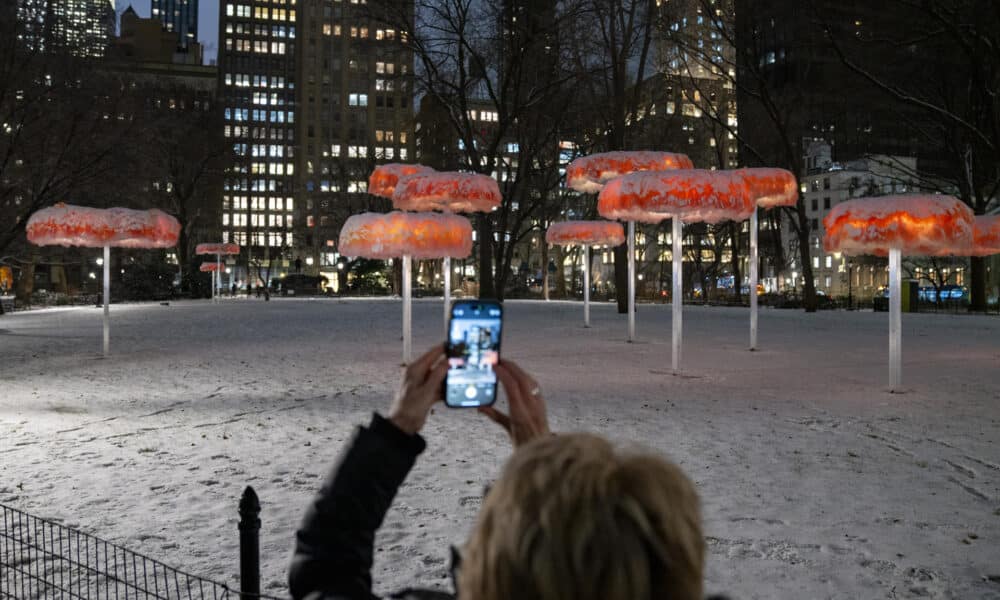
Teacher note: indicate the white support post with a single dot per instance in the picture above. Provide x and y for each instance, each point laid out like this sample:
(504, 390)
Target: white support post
(107, 299)
(678, 290)
(446, 267)
(218, 278)
(895, 321)
(754, 261)
(406, 310)
(631, 281)
(586, 286)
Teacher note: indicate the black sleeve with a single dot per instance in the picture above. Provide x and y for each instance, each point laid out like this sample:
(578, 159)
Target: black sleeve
(334, 544)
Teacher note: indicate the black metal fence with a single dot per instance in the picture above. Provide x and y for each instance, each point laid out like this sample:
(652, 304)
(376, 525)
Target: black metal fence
(41, 559)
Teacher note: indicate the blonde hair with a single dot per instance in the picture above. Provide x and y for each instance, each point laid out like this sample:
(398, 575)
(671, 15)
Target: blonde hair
(571, 518)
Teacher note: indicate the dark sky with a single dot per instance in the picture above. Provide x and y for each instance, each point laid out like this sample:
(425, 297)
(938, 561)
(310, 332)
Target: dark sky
(208, 22)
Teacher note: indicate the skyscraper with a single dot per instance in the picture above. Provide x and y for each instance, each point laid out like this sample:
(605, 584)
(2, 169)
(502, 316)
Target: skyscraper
(315, 94)
(80, 27)
(257, 92)
(180, 16)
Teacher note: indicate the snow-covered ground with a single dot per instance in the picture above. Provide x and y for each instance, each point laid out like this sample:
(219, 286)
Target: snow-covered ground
(816, 482)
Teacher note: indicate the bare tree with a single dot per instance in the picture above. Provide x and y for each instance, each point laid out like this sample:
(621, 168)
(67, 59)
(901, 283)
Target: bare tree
(492, 73)
(953, 46)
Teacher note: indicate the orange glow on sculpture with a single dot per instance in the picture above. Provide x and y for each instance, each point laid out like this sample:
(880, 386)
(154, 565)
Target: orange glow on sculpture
(917, 225)
(585, 233)
(695, 195)
(383, 180)
(770, 187)
(986, 235)
(396, 234)
(211, 267)
(589, 174)
(227, 249)
(68, 225)
(450, 191)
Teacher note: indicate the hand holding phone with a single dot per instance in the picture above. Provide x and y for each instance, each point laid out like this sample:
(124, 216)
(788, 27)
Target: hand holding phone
(473, 350)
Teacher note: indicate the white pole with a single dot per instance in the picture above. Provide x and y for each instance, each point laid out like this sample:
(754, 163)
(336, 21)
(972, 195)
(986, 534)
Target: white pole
(678, 289)
(631, 281)
(586, 286)
(895, 321)
(218, 278)
(753, 279)
(107, 299)
(406, 310)
(447, 292)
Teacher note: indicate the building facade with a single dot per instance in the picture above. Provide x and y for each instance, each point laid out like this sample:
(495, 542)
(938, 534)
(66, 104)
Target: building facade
(179, 17)
(257, 77)
(80, 27)
(315, 95)
(826, 183)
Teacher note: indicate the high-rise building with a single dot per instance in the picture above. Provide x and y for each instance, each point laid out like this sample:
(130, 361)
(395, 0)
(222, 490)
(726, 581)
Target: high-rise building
(80, 27)
(315, 94)
(257, 77)
(179, 16)
(355, 109)
(694, 87)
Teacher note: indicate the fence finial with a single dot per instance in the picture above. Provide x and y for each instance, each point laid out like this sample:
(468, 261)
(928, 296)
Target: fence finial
(249, 543)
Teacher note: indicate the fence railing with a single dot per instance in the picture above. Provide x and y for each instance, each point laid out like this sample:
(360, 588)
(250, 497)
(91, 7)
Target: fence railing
(42, 559)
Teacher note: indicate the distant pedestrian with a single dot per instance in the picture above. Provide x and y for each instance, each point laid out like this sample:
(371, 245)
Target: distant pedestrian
(249, 289)
(259, 290)
(233, 292)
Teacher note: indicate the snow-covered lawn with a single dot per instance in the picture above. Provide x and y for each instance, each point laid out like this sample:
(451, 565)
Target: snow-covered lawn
(815, 481)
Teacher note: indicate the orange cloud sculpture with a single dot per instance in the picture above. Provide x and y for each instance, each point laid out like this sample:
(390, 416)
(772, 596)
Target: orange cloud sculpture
(589, 174)
(396, 234)
(68, 225)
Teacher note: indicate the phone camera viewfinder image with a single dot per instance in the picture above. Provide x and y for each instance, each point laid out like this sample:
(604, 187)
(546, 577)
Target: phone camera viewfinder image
(473, 352)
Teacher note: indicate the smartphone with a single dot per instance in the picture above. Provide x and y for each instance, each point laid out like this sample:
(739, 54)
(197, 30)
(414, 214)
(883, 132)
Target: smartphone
(473, 351)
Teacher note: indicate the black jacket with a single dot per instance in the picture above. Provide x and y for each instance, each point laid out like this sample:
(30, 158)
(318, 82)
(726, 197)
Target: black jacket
(335, 543)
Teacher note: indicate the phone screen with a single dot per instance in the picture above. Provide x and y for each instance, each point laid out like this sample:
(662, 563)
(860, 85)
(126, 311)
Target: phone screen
(473, 351)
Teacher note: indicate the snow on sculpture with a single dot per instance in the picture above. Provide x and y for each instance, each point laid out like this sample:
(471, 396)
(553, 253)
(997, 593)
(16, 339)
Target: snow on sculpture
(447, 192)
(218, 250)
(690, 195)
(895, 225)
(227, 249)
(918, 225)
(589, 174)
(406, 235)
(68, 225)
(695, 195)
(585, 233)
(986, 235)
(383, 180)
(397, 234)
(769, 188)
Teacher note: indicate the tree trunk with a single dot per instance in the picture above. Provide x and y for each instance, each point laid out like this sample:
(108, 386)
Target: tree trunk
(621, 277)
(809, 288)
(487, 289)
(545, 271)
(734, 262)
(182, 258)
(560, 273)
(26, 283)
(977, 284)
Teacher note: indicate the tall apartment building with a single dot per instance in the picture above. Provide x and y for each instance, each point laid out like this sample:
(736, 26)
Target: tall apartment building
(693, 90)
(180, 17)
(355, 110)
(81, 27)
(257, 76)
(315, 93)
